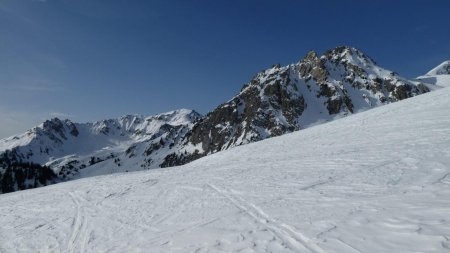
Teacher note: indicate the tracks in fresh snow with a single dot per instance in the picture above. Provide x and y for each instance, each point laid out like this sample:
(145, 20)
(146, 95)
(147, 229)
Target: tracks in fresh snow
(79, 235)
(292, 238)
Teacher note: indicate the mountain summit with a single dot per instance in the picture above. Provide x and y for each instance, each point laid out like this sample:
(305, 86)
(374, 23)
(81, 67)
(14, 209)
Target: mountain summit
(276, 101)
(280, 100)
(441, 69)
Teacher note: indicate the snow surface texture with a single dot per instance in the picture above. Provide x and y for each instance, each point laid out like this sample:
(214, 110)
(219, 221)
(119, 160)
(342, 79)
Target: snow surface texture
(378, 181)
(439, 76)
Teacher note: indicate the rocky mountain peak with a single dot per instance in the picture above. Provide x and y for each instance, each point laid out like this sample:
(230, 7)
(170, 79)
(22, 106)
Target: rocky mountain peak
(54, 129)
(276, 66)
(71, 127)
(131, 118)
(348, 54)
(311, 66)
(52, 124)
(178, 117)
(56, 126)
(311, 55)
(283, 99)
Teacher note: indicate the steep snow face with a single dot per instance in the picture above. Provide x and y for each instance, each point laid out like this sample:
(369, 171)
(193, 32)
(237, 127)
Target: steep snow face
(69, 147)
(280, 100)
(439, 76)
(441, 69)
(377, 181)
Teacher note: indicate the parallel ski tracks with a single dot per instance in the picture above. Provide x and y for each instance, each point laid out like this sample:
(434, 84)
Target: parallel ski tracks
(80, 230)
(291, 237)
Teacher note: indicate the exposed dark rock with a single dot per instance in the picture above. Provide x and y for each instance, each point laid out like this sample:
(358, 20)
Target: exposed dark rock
(72, 128)
(180, 159)
(327, 90)
(313, 67)
(52, 127)
(423, 88)
(334, 105)
(402, 92)
(271, 104)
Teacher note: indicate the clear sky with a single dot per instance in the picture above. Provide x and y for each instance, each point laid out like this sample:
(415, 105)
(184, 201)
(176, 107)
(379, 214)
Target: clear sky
(93, 59)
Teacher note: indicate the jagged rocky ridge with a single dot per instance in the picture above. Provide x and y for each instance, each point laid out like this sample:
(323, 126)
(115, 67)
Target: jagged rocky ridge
(276, 101)
(75, 150)
(280, 100)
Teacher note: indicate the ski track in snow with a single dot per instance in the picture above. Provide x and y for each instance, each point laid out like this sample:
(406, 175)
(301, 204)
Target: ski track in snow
(377, 181)
(80, 229)
(295, 240)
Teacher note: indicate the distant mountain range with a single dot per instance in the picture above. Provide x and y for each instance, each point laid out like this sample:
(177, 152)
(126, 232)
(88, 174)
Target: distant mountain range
(279, 100)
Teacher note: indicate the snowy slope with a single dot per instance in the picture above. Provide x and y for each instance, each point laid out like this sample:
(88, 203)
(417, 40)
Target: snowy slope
(377, 181)
(439, 76)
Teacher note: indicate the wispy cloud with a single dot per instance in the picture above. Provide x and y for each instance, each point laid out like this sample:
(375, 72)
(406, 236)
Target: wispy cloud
(60, 115)
(37, 87)
(34, 84)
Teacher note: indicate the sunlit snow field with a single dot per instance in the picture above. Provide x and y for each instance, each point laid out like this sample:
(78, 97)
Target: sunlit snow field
(377, 181)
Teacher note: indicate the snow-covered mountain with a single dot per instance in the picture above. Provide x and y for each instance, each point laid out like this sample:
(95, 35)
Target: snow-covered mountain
(280, 100)
(276, 101)
(441, 69)
(377, 181)
(127, 142)
(439, 76)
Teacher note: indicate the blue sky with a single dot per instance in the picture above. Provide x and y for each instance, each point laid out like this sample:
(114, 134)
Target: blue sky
(88, 60)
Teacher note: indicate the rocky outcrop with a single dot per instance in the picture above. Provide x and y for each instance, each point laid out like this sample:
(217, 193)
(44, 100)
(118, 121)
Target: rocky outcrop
(267, 106)
(280, 100)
